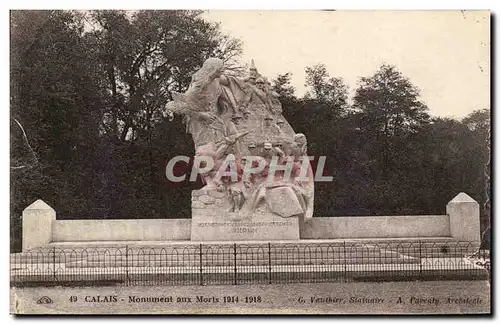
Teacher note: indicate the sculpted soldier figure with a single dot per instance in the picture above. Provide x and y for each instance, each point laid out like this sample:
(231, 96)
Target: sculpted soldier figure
(300, 145)
(257, 98)
(280, 123)
(208, 103)
(199, 104)
(231, 117)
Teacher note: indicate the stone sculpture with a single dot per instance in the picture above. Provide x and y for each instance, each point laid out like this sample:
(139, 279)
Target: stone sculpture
(238, 118)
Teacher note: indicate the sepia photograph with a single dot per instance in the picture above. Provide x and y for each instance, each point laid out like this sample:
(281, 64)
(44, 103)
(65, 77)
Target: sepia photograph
(278, 162)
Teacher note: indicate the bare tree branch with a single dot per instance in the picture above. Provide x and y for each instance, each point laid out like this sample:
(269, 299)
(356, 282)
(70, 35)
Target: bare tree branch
(25, 139)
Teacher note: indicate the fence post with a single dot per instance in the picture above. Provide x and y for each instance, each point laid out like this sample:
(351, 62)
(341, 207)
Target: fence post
(54, 262)
(201, 266)
(234, 254)
(420, 256)
(127, 278)
(345, 261)
(269, 256)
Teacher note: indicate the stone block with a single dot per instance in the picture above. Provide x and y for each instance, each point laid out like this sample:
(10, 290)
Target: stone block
(217, 194)
(464, 218)
(206, 199)
(38, 219)
(197, 204)
(196, 193)
(284, 202)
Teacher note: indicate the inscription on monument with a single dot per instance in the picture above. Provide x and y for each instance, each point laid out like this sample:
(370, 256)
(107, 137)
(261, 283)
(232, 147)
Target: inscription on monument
(238, 227)
(221, 229)
(256, 224)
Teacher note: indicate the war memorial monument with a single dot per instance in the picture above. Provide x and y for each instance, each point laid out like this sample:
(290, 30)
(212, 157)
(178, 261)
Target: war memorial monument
(252, 223)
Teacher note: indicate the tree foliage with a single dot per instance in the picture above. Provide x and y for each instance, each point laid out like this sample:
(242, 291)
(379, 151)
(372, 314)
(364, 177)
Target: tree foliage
(386, 154)
(148, 55)
(326, 90)
(89, 90)
(389, 103)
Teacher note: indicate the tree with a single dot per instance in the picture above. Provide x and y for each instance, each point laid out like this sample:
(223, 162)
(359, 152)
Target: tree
(389, 111)
(282, 85)
(56, 108)
(388, 117)
(149, 54)
(54, 93)
(390, 103)
(326, 90)
(478, 122)
(88, 90)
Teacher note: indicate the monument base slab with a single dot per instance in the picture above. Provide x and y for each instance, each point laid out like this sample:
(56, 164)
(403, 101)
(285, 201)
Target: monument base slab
(213, 220)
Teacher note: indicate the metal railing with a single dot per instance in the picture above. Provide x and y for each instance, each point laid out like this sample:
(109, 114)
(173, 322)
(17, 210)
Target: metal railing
(233, 264)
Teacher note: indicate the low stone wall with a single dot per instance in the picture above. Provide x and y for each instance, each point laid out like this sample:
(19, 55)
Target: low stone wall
(461, 223)
(121, 230)
(316, 228)
(376, 226)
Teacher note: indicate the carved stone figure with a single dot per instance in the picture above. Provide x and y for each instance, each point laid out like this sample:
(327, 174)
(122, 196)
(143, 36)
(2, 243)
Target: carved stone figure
(208, 102)
(280, 123)
(243, 117)
(237, 199)
(256, 98)
(300, 145)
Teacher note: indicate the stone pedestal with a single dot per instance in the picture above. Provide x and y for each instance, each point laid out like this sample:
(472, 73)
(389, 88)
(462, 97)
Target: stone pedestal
(464, 218)
(213, 220)
(38, 219)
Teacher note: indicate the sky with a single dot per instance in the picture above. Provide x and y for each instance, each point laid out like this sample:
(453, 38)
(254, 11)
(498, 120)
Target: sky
(446, 54)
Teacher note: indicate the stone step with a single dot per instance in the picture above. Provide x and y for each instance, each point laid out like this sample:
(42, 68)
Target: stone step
(216, 257)
(283, 253)
(60, 255)
(187, 248)
(257, 262)
(229, 262)
(256, 274)
(39, 257)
